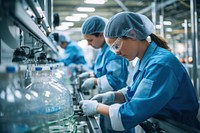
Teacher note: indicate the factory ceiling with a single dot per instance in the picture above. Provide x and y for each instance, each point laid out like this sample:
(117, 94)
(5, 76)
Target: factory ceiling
(174, 11)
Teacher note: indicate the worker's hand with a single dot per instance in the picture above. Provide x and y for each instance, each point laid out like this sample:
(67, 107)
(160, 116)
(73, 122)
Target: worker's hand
(84, 75)
(88, 84)
(106, 98)
(89, 107)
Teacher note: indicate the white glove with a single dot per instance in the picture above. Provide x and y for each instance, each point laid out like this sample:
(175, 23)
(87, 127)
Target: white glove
(84, 75)
(89, 107)
(106, 98)
(88, 84)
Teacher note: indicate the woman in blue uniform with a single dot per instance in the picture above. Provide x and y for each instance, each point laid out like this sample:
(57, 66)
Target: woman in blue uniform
(110, 70)
(161, 85)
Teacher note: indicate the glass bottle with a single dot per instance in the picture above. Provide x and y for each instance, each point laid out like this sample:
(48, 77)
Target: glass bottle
(57, 102)
(15, 102)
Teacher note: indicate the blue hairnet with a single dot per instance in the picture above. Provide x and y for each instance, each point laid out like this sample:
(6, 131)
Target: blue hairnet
(129, 24)
(63, 38)
(94, 24)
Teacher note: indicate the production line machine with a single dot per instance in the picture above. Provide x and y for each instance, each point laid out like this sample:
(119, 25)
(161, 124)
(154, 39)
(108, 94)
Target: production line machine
(25, 26)
(78, 95)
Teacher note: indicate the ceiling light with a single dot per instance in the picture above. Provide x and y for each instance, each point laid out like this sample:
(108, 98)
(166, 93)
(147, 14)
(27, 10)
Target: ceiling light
(167, 23)
(158, 27)
(168, 29)
(67, 24)
(61, 27)
(81, 15)
(139, 3)
(85, 9)
(95, 1)
(72, 18)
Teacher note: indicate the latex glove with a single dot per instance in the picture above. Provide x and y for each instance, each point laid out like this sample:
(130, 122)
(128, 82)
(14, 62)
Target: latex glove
(88, 84)
(89, 107)
(84, 75)
(106, 98)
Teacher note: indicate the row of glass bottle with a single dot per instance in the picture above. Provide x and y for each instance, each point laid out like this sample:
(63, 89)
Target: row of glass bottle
(35, 99)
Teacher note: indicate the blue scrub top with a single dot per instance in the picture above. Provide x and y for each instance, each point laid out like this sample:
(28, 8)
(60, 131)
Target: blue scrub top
(113, 66)
(73, 54)
(161, 87)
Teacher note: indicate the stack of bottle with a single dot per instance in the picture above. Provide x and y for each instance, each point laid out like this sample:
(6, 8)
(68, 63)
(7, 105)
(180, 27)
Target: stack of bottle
(31, 100)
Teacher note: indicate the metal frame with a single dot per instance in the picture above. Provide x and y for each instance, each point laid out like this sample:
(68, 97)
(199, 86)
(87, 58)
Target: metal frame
(158, 7)
(91, 121)
(171, 126)
(193, 12)
(25, 21)
(33, 6)
(20, 18)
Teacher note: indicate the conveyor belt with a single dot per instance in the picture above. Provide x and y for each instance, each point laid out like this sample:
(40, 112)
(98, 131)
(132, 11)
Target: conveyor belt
(92, 123)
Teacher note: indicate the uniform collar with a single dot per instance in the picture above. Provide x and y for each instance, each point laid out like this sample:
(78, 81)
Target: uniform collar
(103, 49)
(149, 52)
(104, 46)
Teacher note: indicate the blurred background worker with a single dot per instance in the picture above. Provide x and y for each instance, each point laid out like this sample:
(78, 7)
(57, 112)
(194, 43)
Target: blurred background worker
(110, 70)
(72, 54)
(161, 86)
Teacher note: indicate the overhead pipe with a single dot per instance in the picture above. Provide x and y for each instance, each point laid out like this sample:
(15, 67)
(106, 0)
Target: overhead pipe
(159, 6)
(121, 5)
(154, 4)
(193, 11)
(186, 42)
(162, 26)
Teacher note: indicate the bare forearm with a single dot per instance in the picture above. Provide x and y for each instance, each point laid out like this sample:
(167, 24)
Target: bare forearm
(103, 109)
(95, 81)
(119, 97)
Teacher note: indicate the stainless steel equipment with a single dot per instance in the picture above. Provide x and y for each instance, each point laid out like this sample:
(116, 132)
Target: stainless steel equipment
(91, 121)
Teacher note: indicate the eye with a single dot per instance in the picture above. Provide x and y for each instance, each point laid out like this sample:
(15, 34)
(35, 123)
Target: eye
(116, 46)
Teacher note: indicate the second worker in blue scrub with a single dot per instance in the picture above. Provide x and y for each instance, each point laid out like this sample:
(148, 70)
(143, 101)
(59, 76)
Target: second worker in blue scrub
(110, 71)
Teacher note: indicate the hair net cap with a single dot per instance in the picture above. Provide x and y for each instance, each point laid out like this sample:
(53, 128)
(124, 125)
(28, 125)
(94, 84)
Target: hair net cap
(63, 38)
(94, 24)
(129, 24)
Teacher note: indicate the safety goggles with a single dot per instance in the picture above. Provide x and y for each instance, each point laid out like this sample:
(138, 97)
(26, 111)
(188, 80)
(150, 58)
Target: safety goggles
(116, 45)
